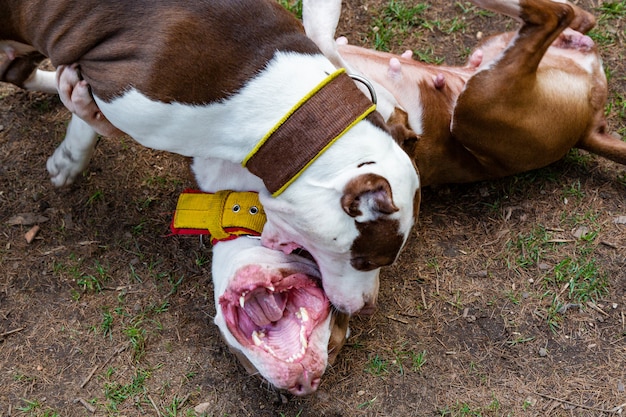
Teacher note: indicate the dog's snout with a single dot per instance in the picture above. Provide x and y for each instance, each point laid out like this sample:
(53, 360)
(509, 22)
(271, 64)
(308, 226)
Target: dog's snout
(306, 384)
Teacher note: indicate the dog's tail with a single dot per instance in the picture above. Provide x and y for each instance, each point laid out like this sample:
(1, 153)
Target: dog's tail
(605, 145)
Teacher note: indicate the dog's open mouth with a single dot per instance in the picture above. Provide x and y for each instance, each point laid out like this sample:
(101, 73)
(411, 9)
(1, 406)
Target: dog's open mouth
(274, 310)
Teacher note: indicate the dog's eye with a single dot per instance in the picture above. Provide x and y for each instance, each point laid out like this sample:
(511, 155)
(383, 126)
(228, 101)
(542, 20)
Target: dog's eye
(253, 210)
(361, 263)
(236, 208)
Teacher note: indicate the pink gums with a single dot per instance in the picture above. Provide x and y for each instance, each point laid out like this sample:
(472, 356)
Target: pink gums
(274, 311)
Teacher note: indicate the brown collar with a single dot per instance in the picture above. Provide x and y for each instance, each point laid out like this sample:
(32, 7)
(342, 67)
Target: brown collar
(307, 130)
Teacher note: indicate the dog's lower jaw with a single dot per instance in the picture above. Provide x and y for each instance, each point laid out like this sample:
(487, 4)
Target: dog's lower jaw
(278, 322)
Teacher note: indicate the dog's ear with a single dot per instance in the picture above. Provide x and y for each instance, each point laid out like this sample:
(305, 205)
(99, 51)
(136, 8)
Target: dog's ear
(368, 194)
(339, 332)
(402, 133)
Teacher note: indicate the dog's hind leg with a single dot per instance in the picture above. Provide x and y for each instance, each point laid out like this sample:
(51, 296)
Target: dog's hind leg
(74, 153)
(583, 21)
(603, 144)
(502, 115)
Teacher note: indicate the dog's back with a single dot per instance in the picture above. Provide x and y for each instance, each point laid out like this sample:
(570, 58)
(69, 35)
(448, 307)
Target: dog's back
(112, 39)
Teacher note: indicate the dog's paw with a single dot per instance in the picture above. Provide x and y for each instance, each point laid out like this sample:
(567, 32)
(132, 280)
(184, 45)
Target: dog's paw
(64, 167)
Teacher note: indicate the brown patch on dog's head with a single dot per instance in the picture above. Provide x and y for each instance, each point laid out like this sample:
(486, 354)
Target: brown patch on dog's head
(368, 192)
(379, 240)
(378, 244)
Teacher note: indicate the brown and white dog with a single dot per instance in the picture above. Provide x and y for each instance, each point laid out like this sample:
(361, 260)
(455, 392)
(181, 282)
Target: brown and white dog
(522, 102)
(215, 79)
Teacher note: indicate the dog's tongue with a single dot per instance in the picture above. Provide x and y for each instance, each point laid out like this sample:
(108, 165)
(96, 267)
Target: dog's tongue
(264, 307)
(274, 311)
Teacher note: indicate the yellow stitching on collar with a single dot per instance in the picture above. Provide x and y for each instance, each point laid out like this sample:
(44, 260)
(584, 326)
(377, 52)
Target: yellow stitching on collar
(215, 212)
(350, 126)
(290, 112)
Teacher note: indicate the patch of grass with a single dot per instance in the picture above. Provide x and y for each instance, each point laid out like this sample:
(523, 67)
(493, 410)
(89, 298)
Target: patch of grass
(377, 366)
(616, 108)
(393, 21)
(416, 360)
(609, 15)
(367, 404)
(449, 26)
(107, 323)
(578, 157)
(89, 279)
(584, 280)
(294, 6)
(573, 190)
(94, 198)
(614, 9)
(116, 393)
(519, 340)
(136, 336)
(159, 181)
(462, 409)
(530, 247)
(23, 378)
(428, 56)
(35, 409)
(175, 405)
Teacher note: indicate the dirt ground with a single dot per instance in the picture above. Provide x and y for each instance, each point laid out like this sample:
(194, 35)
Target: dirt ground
(510, 298)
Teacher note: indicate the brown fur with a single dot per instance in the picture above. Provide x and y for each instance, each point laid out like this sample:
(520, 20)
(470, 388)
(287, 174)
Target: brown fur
(112, 39)
(524, 112)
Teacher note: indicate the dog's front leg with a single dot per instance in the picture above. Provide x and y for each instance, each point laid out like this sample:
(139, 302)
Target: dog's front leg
(73, 154)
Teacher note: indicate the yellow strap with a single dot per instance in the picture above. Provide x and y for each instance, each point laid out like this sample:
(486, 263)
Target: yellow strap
(216, 212)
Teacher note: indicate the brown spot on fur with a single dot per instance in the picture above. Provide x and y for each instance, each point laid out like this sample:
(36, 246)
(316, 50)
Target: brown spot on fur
(378, 244)
(372, 186)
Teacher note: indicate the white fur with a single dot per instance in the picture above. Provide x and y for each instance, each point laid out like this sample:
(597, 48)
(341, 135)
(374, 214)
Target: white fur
(72, 156)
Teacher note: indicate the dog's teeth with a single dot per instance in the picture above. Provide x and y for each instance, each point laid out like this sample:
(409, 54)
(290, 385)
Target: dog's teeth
(303, 315)
(303, 342)
(256, 338)
(242, 301)
(271, 288)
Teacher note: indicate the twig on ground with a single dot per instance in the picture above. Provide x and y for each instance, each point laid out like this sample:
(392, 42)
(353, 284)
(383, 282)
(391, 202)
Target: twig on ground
(586, 407)
(598, 309)
(93, 371)
(154, 405)
(397, 319)
(85, 404)
(10, 332)
(184, 400)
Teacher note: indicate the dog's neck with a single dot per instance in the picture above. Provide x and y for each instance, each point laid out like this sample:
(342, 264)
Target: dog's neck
(307, 130)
